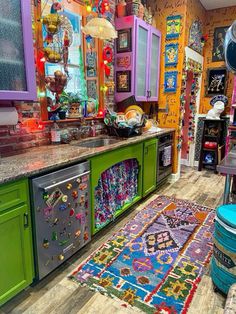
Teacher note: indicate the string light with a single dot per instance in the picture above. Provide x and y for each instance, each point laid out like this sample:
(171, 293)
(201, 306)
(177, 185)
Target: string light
(104, 89)
(88, 8)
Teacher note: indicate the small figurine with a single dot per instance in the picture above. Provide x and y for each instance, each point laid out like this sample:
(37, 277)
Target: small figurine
(141, 11)
(56, 83)
(218, 102)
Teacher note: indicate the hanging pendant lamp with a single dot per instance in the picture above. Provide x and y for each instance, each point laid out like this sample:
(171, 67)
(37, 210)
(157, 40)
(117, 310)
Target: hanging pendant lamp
(101, 28)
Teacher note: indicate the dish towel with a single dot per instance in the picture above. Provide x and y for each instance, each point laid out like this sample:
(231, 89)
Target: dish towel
(167, 156)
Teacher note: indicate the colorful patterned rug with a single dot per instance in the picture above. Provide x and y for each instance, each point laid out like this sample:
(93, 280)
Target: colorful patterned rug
(157, 260)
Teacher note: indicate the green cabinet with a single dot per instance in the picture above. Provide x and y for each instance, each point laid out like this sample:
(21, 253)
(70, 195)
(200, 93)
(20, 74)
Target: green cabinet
(16, 262)
(102, 162)
(149, 166)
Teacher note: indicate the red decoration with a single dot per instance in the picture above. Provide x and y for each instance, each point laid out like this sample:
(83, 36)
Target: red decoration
(100, 113)
(210, 145)
(107, 56)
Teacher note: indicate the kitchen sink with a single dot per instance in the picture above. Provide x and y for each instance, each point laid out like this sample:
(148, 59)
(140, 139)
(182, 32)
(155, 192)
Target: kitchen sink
(98, 142)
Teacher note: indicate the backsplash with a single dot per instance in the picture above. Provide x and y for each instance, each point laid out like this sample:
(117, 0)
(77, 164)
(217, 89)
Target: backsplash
(15, 140)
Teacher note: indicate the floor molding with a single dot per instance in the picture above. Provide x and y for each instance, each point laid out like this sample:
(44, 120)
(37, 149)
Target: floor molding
(174, 177)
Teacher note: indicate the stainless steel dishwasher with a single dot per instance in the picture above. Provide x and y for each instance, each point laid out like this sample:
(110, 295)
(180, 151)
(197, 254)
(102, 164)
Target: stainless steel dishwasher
(61, 216)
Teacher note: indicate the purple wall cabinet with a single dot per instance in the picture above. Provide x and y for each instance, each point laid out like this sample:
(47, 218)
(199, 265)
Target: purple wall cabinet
(17, 67)
(137, 60)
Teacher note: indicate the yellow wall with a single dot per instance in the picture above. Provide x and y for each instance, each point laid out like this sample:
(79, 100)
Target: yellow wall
(215, 18)
(166, 8)
(195, 11)
(190, 10)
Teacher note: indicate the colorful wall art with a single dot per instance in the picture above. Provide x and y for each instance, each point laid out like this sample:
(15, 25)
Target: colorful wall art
(195, 36)
(124, 43)
(217, 79)
(171, 81)
(173, 26)
(123, 81)
(216, 19)
(171, 55)
(190, 11)
(91, 59)
(218, 44)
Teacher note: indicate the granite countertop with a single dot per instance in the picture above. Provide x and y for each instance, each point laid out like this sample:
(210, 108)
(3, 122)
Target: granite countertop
(51, 157)
(228, 164)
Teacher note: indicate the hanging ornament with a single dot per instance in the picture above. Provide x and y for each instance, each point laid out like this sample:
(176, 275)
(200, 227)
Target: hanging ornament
(56, 83)
(53, 20)
(107, 56)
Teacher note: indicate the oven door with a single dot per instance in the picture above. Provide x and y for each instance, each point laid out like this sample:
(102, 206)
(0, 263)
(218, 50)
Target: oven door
(164, 161)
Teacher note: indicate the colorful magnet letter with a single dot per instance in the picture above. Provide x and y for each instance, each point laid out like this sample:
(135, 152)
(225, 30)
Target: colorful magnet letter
(78, 180)
(45, 196)
(62, 207)
(55, 222)
(86, 236)
(69, 186)
(64, 198)
(82, 199)
(83, 186)
(45, 243)
(72, 212)
(85, 179)
(78, 216)
(61, 243)
(54, 236)
(77, 234)
(47, 211)
(75, 194)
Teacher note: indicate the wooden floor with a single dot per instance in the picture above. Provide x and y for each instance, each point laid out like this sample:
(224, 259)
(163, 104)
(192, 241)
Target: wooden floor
(57, 294)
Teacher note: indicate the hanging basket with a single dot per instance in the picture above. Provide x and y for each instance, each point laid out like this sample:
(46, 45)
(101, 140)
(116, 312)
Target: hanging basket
(53, 53)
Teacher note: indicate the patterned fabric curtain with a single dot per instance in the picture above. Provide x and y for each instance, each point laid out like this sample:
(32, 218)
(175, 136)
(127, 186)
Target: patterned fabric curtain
(116, 187)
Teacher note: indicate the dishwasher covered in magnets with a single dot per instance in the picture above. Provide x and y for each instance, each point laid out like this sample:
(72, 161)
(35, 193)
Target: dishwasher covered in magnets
(61, 216)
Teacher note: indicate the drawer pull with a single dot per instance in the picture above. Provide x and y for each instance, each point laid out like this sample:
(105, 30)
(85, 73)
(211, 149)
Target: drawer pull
(26, 220)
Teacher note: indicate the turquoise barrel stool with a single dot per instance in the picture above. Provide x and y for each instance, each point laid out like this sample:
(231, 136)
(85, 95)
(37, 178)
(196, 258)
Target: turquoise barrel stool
(223, 263)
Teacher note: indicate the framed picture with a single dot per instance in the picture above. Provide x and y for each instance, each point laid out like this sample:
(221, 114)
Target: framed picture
(123, 62)
(92, 89)
(216, 82)
(173, 27)
(123, 41)
(123, 80)
(218, 44)
(171, 81)
(91, 60)
(171, 55)
(195, 36)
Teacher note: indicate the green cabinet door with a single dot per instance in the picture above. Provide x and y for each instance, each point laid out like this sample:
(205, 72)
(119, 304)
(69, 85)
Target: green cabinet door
(149, 166)
(16, 262)
(102, 162)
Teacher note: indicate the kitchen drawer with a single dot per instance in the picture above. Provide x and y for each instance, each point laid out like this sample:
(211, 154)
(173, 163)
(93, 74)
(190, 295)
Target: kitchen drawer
(13, 194)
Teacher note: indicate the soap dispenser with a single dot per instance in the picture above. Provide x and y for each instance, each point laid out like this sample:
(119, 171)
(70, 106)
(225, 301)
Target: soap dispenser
(93, 129)
(55, 134)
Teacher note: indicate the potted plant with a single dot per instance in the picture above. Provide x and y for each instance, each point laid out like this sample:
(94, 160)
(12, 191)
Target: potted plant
(75, 106)
(63, 111)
